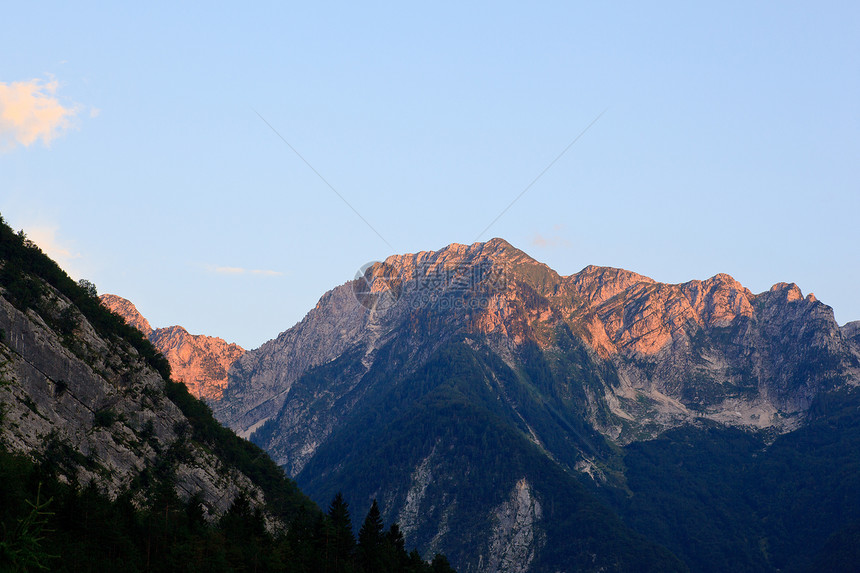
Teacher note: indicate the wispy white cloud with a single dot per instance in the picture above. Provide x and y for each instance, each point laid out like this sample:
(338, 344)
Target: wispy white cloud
(243, 271)
(229, 270)
(30, 111)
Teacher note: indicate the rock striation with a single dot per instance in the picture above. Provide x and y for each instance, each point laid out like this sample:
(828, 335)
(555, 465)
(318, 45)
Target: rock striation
(93, 406)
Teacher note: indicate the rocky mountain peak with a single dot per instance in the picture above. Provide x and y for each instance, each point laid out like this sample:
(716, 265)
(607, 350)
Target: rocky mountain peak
(499, 294)
(200, 362)
(453, 255)
(434, 339)
(127, 311)
(626, 312)
(790, 291)
(852, 329)
(596, 285)
(496, 251)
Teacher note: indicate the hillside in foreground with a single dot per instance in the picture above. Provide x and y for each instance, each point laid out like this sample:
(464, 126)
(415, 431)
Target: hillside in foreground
(107, 464)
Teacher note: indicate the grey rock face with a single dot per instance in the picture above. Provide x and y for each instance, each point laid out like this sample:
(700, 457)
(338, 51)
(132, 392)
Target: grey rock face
(260, 380)
(851, 331)
(704, 349)
(515, 537)
(95, 407)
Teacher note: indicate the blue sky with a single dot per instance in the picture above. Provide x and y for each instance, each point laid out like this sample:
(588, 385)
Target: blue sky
(132, 151)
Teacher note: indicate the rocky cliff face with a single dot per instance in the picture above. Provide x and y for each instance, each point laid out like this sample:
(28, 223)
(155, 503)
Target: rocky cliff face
(513, 545)
(267, 373)
(128, 311)
(570, 363)
(92, 405)
(200, 362)
(712, 349)
(707, 348)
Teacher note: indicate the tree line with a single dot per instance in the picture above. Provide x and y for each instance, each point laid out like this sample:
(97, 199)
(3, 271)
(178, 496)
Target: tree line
(47, 525)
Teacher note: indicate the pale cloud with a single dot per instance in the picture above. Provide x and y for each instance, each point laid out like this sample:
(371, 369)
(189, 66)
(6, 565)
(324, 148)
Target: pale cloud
(30, 111)
(542, 242)
(243, 271)
(46, 238)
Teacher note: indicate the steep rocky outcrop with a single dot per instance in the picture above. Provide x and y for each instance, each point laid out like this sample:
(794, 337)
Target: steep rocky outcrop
(137, 473)
(512, 545)
(569, 364)
(128, 311)
(266, 374)
(200, 362)
(94, 407)
(851, 331)
(699, 349)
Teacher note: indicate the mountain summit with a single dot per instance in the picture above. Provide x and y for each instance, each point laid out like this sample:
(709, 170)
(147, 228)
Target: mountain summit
(200, 362)
(520, 420)
(498, 407)
(699, 350)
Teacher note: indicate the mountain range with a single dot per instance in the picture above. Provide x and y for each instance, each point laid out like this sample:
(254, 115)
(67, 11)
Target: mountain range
(519, 420)
(108, 464)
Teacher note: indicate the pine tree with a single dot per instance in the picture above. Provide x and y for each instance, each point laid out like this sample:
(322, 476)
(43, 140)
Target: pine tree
(340, 541)
(395, 550)
(440, 565)
(371, 548)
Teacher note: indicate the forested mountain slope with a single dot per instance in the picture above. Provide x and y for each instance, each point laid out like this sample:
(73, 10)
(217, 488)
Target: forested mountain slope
(500, 410)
